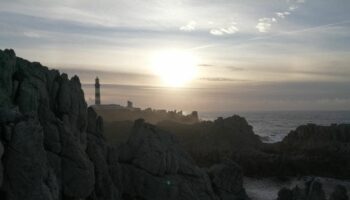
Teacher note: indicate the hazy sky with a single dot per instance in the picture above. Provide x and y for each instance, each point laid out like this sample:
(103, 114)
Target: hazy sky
(252, 54)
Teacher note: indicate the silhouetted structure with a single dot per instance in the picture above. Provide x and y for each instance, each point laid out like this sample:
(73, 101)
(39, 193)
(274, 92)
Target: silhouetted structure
(97, 92)
(130, 104)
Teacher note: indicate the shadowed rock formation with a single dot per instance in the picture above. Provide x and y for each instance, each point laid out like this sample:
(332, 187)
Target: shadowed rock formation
(313, 190)
(52, 148)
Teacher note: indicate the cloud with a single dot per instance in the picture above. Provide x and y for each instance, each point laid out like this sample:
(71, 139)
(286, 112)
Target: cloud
(220, 79)
(264, 24)
(191, 26)
(293, 7)
(231, 68)
(296, 1)
(32, 34)
(205, 65)
(232, 29)
(234, 68)
(282, 15)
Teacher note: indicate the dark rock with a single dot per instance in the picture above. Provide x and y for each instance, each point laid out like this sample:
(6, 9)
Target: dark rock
(97, 151)
(45, 138)
(313, 191)
(27, 174)
(227, 179)
(52, 147)
(9, 115)
(77, 170)
(339, 193)
(285, 194)
(1, 167)
(157, 168)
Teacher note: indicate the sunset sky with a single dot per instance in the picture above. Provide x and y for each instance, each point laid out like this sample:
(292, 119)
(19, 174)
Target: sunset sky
(250, 54)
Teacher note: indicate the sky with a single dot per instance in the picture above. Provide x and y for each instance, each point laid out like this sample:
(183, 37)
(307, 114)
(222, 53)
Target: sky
(251, 55)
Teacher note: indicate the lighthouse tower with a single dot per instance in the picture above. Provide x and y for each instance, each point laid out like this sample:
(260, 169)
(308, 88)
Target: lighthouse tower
(97, 92)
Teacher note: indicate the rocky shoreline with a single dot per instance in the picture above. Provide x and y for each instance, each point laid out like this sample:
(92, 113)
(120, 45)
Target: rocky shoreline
(52, 147)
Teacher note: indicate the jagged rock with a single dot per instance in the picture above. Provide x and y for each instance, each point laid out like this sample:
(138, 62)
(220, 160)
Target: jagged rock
(313, 191)
(97, 151)
(44, 141)
(77, 169)
(339, 193)
(1, 167)
(9, 115)
(285, 194)
(158, 152)
(227, 180)
(27, 175)
(7, 68)
(157, 168)
(54, 147)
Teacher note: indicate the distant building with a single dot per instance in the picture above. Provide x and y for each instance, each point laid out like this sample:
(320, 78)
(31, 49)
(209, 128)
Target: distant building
(97, 92)
(130, 104)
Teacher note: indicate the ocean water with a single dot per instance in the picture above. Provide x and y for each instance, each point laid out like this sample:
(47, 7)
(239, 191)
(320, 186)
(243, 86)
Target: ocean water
(273, 126)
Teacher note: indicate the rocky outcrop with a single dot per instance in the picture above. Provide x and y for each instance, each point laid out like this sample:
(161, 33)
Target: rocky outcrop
(52, 148)
(339, 193)
(98, 152)
(210, 142)
(43, 123)
(227, 180)
(306, 151)
(313, 190)
(153, 166)
(310, 149)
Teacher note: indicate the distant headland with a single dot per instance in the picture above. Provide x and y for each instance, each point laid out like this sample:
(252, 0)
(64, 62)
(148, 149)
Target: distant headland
(115, 112)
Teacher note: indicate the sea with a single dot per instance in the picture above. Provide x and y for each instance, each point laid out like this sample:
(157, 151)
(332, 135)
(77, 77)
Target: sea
(273, 126)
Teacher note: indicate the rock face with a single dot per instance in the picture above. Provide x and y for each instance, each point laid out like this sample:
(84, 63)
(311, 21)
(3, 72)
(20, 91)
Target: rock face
(210, 142)
(312, 191)
(309, 149)
(306, 151)
(339, 193)
(43, 133)
(154, 166)
(52, 148)
(227, 180)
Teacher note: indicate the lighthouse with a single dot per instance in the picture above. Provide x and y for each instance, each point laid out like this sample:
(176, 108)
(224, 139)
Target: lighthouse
(97, 92)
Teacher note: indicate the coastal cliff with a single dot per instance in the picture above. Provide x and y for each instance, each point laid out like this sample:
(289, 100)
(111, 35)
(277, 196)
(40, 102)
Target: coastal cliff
(52, 148)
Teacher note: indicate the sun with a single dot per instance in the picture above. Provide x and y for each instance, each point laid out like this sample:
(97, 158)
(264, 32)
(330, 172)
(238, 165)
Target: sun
(175, 68)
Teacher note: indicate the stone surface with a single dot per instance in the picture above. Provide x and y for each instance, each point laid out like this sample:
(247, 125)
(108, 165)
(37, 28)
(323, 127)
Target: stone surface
(27, 173)
(227, 180)
(97, 150)
(313, 191)
(43, 120)
(153, 166)
(1, 166)
(339, 193)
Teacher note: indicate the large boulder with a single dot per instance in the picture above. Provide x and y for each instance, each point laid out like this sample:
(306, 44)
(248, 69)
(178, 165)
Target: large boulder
(43, 120)
(97, 150)
(153, 166)
(1, 167)
(312, 191)
(339, 193)
(27, 173)
(227, 180)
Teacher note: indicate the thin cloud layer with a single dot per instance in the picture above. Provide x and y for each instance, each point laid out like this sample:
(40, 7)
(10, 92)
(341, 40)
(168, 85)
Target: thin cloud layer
(265, 42)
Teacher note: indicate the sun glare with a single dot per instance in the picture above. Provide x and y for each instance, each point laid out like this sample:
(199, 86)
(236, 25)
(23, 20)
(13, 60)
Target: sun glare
(175, 68)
